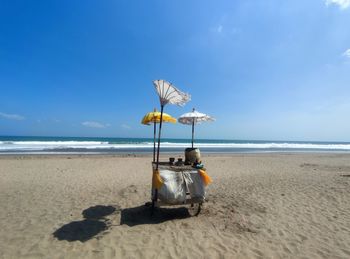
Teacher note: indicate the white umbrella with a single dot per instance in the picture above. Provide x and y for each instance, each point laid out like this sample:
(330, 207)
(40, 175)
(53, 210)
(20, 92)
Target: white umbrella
(194, 117)
(168, 93)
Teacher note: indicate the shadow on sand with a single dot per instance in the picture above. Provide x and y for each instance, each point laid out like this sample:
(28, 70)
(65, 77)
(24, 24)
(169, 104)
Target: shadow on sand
(142, 215)
(94, 224)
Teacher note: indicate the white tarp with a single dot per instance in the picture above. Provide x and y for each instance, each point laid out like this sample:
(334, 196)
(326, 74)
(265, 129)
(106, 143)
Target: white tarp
(173, 190)
(195, 186)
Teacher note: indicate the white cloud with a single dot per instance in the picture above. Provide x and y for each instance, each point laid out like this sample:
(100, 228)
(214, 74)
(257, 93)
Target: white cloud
(94, 124)
(219, 28)
(125, 126)
(347, 53)
(343, 4)
(11, 116)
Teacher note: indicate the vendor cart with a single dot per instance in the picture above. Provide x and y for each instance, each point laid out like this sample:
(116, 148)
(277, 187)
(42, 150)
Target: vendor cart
(176, 184)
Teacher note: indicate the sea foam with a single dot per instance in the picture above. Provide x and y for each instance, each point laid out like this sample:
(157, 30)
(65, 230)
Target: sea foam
(8, 146)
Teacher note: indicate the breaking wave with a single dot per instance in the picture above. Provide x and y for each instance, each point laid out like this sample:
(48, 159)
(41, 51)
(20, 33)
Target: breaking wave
(66, 146)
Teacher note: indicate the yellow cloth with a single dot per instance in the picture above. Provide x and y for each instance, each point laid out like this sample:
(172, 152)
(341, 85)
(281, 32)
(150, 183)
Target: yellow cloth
(206, 178)
(156, 180)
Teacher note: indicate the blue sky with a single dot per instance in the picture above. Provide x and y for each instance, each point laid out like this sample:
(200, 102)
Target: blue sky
(277, 70)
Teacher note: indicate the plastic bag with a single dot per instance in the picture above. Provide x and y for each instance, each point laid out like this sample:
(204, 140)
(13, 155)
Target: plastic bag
(173, 189)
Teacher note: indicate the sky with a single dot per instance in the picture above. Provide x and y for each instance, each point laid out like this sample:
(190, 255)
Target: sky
(265, 69)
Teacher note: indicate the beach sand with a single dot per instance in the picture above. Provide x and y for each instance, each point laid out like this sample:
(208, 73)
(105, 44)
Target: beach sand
(259, 206)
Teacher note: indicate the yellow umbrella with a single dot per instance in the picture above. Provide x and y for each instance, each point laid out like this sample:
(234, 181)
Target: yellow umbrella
(154, 117)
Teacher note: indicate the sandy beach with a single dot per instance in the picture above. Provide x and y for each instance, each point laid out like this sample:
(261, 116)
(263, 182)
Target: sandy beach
(259, 206)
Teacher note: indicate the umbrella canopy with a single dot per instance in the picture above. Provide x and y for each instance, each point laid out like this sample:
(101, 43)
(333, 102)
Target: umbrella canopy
(154, 117)
(194, 117)
(168, 93)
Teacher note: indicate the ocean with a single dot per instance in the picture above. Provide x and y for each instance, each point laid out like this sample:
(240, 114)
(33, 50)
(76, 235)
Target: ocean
(84, 145)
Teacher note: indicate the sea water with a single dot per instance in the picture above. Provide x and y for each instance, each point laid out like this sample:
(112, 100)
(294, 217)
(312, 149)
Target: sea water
(83, 145)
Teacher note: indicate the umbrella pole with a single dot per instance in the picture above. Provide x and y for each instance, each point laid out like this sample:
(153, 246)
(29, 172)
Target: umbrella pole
(154, 141)
(192, 132)
(159, 133)
(155, 197)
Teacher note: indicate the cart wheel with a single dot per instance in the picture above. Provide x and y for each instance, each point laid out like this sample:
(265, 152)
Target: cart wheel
(194, 209)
